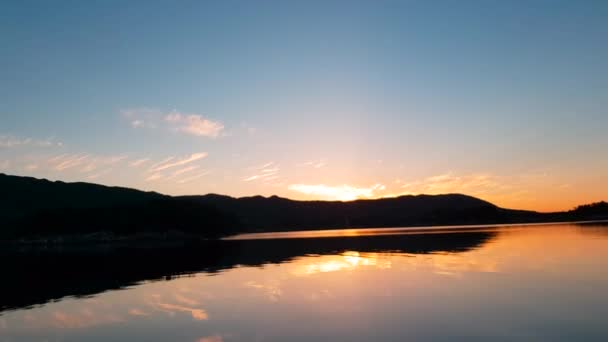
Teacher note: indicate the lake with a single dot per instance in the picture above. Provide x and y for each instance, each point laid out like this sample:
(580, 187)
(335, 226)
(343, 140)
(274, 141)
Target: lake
(505, 283)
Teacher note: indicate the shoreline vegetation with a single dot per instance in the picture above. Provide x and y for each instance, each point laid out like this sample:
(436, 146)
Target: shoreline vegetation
(41, 212)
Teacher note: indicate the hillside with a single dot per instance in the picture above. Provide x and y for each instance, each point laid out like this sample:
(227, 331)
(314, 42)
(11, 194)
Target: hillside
(41, 208)
(275, 213)
(31, 207)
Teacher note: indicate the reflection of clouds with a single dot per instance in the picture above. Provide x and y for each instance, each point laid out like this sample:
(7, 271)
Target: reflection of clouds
(182, 304)
(197, 314)
(138, 312)
(455, 265)
(346, 261)
(439, 263)
(446, 263)
(273, 290)
(185, 300)
(320, 295)
(214, 338)
(84, 318)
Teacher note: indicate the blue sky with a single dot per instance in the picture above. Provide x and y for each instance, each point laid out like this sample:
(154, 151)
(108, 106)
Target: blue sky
(505, 100)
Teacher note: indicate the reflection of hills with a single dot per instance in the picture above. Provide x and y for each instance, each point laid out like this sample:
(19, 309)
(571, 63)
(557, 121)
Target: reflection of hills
(597, 229)
(37, 277)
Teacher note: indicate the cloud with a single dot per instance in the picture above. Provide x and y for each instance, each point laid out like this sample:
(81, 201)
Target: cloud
(184, 170)
(139, 162)
(12, 141)
(87, 162)
(161, 162)
(191, 178)
(142, 117)
(264, 174)
(99, 174)
(137, 123)
(154, 176)
(478, 183)
(341, 193)
(70, 161)
(266, 171)
(262, 166)
(194, 124)
(169, 162)
(317, 164)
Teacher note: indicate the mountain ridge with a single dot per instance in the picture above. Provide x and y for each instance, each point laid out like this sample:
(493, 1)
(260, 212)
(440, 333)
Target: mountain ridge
(40, 207)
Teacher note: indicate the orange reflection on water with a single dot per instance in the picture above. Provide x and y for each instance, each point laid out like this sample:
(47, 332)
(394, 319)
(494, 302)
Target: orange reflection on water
(352, 292)
(349, 260)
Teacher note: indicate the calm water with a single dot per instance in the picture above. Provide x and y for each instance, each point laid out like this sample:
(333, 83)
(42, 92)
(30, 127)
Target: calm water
(529, 283)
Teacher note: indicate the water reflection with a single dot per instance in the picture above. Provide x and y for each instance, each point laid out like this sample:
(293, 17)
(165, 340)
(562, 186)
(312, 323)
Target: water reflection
(541, 283)
(69, 272)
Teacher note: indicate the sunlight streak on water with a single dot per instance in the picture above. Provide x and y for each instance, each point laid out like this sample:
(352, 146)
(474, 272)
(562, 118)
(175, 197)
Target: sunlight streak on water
(541, 283)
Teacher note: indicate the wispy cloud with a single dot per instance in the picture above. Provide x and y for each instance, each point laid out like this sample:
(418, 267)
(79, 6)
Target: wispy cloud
(142, 117)
(70, 161)
(267, 171)
(99, 174)
(8, 141)
(171, 162)
(164, 161)
(184, 170)
(477, 183)
(154, 177)
(262, 166)
(317, 164)
(195, 177)
(86, 162)
(341, 193)
(139, 162)
(92, 166)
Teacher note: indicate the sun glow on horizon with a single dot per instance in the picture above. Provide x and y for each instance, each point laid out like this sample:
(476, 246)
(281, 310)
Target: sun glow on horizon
(338, 193)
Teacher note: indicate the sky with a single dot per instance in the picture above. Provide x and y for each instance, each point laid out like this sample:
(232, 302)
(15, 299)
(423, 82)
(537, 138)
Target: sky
(334, 100)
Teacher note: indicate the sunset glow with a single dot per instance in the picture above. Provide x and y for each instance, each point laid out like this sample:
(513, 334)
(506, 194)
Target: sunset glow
(371, 102)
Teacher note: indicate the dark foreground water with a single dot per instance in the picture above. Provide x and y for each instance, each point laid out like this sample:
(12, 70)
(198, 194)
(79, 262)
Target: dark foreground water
(525, 283)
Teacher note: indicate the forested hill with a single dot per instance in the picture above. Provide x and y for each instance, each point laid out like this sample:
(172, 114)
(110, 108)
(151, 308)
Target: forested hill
(41, 208)
(31, 207)
(274, 213)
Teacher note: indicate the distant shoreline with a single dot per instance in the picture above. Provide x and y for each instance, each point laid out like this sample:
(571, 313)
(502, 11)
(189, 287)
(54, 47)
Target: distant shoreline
(177, 239)
(38, 211)
(314, 233)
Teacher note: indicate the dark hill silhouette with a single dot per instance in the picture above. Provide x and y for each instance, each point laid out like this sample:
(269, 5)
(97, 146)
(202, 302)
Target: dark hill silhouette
(31, 207)
(37, 208)
(598, 210)
(274, 213)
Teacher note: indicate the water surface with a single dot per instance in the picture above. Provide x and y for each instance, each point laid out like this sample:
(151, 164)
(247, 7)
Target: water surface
(531, 283)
